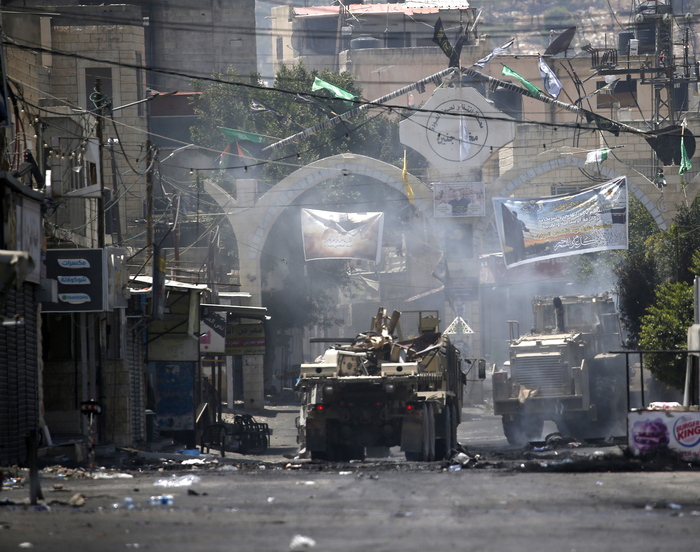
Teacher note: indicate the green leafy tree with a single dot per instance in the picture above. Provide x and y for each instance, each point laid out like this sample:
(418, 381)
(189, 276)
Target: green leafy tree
(637, 279)
(682, 242)
(636, 271)
(665, 327)
(656, 293)
(292, 107)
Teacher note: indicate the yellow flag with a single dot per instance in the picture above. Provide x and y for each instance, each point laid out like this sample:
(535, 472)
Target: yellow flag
(404, 177)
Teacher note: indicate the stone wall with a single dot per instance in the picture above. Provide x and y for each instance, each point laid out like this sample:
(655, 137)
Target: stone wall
(123, 44)
(198, 38)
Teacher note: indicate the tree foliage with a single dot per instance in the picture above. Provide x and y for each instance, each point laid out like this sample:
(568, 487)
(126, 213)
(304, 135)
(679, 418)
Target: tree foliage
(655, 283)
(636, 271)
(665, 327)
(292, 107)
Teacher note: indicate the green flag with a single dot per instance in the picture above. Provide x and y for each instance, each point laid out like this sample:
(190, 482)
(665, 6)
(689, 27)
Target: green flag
(508, 72)
(233, 135)
(597, 156)
(685, 160)
(333, 89)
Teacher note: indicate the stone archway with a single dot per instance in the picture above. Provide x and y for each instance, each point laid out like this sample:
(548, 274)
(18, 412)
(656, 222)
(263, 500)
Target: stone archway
(252, 222)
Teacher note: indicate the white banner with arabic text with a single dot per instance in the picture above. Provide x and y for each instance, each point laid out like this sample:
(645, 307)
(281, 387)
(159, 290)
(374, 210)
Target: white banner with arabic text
(533, 229)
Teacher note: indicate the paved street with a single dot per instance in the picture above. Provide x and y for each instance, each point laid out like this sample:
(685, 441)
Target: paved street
(497, 503)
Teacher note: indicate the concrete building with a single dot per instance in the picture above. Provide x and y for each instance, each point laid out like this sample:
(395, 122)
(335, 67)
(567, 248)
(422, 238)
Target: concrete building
(79, 80)
(384, 45)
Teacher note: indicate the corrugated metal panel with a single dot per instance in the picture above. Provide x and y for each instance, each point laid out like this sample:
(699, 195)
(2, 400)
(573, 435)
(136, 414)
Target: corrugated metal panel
(539, 372)
(19, 387)
(134, 352)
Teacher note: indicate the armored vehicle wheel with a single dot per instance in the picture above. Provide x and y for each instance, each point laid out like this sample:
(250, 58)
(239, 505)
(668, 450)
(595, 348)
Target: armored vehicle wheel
(455, 423)
(431, 432)
(378, 452)
(443, 445)
(427, 452)
(522, 429)
(318, 455)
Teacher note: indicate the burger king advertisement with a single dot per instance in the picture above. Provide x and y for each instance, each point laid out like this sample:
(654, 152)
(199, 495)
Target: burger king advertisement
(678, 430)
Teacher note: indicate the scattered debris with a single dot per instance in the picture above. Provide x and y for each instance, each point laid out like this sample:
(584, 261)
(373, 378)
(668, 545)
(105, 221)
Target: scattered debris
(111, 475)
(300, 542)
(175, 481)
(161, 500)
(662, 506)
(77, 500)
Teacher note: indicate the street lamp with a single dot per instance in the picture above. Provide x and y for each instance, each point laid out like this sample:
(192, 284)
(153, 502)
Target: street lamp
(660, 180)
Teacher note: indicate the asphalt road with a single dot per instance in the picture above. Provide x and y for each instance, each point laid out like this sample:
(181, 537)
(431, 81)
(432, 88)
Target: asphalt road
(502, 499)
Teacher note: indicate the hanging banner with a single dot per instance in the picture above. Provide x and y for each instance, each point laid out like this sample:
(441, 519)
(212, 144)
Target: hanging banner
(455, 199)
(533, 229)
(331, 235)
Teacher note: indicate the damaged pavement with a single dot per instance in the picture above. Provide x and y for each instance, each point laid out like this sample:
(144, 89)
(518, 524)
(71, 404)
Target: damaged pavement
(548, 494)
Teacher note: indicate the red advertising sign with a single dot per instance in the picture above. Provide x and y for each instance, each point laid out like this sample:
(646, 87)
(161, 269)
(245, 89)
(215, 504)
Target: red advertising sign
(245, 339)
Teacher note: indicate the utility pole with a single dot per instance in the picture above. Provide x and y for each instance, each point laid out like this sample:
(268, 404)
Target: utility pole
(115, 194)
(149, 201)
(196, 239)
(100, 145)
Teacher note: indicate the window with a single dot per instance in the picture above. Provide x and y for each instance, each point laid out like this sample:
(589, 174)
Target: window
(397, 40)
(279, 43)
(624, 92)
(91, 76)
(140, 94)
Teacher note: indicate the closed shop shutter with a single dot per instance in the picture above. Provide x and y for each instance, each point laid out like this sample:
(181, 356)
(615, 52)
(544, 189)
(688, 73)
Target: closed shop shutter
(19, 379)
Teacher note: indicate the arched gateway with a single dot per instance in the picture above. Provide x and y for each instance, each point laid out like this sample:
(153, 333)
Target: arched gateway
(252, 221)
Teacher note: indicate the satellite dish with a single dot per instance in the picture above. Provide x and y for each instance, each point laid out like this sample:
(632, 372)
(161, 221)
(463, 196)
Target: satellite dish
(561, 43)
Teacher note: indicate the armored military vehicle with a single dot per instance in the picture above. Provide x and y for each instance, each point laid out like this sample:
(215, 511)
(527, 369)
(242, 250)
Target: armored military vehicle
(378, 391)
(562, 370)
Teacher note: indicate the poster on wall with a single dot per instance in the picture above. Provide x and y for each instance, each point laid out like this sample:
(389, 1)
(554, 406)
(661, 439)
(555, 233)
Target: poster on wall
(655, 430)
(174, 389)
(534, 229)
(245, 339)
(333, 235)
(456, 199)
(212, 332)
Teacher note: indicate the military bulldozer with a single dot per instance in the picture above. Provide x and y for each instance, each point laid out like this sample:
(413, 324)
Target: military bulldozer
(378, 392)
(563, 371)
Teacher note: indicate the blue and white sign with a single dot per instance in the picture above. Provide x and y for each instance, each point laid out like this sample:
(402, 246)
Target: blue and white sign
(82, 280)
(74, 280)
(73, 263)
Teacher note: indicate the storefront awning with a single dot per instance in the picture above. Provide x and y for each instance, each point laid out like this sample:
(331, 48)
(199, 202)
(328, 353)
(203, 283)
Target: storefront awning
(256, 313)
